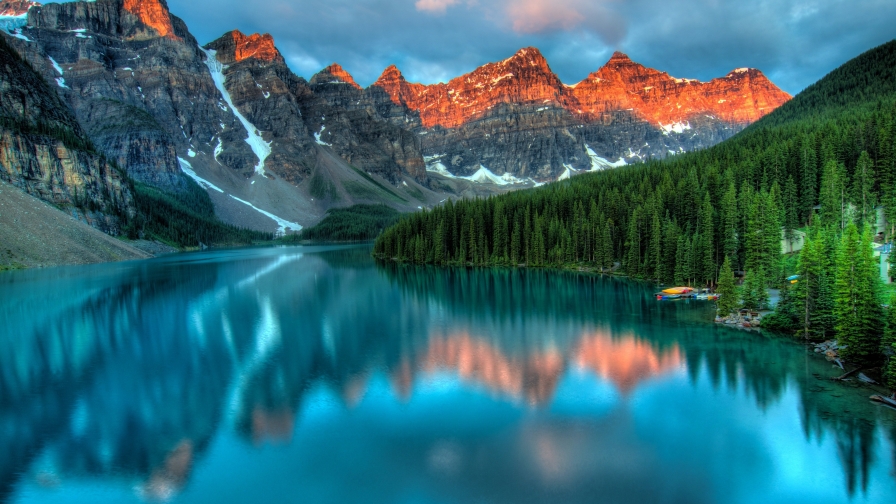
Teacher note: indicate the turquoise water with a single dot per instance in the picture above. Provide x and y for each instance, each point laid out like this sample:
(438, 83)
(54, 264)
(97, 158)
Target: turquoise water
(313, 374)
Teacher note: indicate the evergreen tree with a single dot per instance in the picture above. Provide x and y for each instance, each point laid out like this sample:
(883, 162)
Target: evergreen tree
(729, 220)
(727, 290)
(859, 316)
(821, 317)
(791, 212)
(862, 191)
(889, 345)
(808, 178)
(706, 261)
(754, 292)
(833, 195)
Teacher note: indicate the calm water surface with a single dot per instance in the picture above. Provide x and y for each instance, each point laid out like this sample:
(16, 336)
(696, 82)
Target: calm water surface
(316, 375)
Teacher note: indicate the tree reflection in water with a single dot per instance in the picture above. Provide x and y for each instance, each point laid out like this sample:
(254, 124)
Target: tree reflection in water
(128, 372)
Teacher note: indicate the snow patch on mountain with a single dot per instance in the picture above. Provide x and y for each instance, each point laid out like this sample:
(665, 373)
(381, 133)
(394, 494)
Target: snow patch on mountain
(317, 137)
(13, 25)
(598, 163)
(484, 175)
(677, 127)
(283, 223)
(187, 168)
(568, 173)
(219, 149)
(261, 148)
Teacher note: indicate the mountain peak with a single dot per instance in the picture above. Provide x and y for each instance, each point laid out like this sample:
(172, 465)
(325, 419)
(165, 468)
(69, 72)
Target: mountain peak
(152, 13)
(235, 46)
(620, 58)
(744, 72)
(335, 73)
(390, 77)
(257, 46)
(527, 56)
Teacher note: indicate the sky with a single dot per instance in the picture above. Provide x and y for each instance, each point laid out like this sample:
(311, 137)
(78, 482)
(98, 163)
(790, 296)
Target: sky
(794, 42)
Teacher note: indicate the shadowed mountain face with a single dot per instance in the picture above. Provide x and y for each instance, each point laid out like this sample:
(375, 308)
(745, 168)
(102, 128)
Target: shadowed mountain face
(231, 115)
(45, 152)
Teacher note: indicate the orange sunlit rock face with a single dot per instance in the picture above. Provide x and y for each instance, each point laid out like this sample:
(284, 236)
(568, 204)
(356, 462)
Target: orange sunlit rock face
(626, 362)
(16, 7)
(523, 78)
(743, 96)
(274, 425)
(168, 479)
(152, 13)
(534, 377)
(335, 73)
(258, 46)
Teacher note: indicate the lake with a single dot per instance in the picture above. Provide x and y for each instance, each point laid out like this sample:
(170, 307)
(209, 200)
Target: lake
(314, 374)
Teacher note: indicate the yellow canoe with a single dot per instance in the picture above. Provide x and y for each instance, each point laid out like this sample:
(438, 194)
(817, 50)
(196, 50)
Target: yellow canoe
(678, 290)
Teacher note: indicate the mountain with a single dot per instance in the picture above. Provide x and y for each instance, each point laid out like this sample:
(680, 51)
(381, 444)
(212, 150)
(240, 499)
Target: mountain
(45, 152)
(517, 117)
(275, 152)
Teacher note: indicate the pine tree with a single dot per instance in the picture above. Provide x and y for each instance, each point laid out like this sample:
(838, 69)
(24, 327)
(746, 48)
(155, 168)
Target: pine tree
(791, 212)
(727, 290)
(862, 191)
(753, 290)
(706, 259)
(808, 178)
(729, 219)
(857, 309)
(889, 345)
(833, 195)
(771, 217)
(821, 317)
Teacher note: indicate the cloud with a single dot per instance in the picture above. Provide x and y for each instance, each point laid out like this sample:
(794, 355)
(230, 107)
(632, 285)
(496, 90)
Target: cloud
(535, 16)
(436, 6)
(540, 16)
(795, 42)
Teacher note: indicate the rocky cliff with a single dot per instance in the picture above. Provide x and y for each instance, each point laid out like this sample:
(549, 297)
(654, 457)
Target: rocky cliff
(136, 79)
(45, 152)
(516, 117)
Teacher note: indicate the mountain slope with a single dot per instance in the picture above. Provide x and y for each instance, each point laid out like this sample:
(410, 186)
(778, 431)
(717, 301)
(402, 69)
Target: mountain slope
(35, 234)
(865, 79)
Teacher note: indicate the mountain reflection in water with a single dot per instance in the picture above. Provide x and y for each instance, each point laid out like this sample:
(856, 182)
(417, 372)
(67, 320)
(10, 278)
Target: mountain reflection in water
(279, 374)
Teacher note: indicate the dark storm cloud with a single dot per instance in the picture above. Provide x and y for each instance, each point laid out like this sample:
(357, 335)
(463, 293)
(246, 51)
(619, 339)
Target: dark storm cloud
(795, 42)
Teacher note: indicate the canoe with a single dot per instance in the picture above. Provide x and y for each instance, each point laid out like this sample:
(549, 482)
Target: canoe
(662, 297)
(678, 290)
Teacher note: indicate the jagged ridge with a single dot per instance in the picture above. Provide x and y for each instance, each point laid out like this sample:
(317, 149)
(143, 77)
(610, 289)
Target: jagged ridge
(741, 97)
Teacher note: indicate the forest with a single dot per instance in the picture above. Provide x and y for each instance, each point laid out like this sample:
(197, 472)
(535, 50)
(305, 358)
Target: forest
(185, 219)
(354, 223)
(823, 167)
